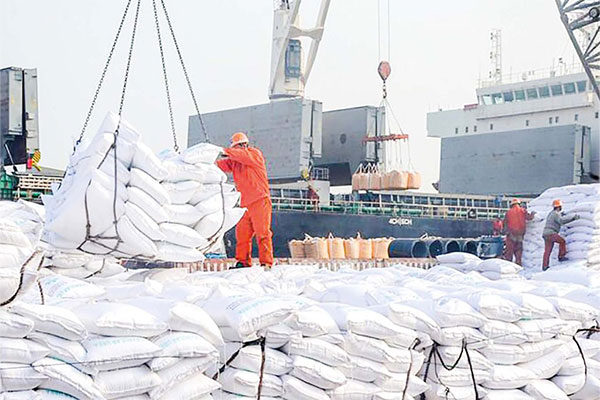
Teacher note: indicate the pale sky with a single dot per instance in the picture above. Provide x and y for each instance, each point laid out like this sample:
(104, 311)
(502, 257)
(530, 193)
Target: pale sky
(439, 50)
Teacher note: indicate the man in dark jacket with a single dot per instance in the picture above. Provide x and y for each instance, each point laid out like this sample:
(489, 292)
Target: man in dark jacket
(554, 221)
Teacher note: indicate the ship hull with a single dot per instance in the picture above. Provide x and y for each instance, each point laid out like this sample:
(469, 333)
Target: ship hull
(289, 225)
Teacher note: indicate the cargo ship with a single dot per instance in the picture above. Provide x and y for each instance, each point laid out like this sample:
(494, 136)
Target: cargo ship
(406, 215)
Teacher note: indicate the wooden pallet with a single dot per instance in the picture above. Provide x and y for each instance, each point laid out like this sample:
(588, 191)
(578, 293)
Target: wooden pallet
(37, 182)
(332, 265)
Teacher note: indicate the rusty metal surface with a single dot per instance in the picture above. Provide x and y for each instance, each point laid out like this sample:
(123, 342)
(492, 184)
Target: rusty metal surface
(332, 265)
(223, 264)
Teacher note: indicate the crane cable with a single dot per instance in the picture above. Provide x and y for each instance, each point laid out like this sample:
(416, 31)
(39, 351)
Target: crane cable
(185, 73)
(389, 53)
(165, 76)
(98, 240)
(103, 75)
(385, 102)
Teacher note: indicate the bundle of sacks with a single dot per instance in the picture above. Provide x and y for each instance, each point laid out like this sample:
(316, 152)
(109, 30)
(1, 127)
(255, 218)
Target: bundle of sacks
(582, 235)
(377, 334)
(80, 265)
(493, 268)
(21, 225)
(118, 198)
(105, 339)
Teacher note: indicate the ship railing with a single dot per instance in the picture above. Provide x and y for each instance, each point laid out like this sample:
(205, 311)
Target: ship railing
(31, 187)
(36, 182)
(390, 209)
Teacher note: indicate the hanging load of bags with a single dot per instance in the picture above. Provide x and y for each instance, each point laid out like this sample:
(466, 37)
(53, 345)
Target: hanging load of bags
(372, 178)
(375, 178)
(360, 179)
(395, 180)
(118, 198)
(414, 180)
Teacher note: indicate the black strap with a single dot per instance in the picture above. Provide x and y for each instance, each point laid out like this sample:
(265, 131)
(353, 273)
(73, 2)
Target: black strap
(262, 367)
(434, 354)
(21, 277)
(237, 352)
(416, 342)
(429, 357)
(590, 332)
(471, 370)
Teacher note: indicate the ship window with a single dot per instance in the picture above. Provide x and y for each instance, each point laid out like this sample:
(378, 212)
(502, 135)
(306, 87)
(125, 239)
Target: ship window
(544, 91)
(556, 90)
(456, 131)
(581, 86)
(550, 120)
(491, 127)
(556, 120)
(466, 129)
(509, 97)
(293, 59)
(532, 93)
(497, 98)
(576, 117)
(487, 99)
(519, 95)
(596, 114)
(475, 128)
(526, 122)
(569, 88)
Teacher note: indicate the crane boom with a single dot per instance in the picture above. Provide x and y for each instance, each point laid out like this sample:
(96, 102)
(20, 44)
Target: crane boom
(583, 17)
(289, 73)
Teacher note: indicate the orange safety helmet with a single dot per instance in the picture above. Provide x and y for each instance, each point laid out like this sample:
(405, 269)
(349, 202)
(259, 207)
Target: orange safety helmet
(514, 201)
(557, 203)
(239, 138)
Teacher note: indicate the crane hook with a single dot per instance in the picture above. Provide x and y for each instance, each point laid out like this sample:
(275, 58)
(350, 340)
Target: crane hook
(384, 70)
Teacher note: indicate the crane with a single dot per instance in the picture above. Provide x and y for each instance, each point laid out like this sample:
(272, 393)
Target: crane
(582, 18)
(289, 73)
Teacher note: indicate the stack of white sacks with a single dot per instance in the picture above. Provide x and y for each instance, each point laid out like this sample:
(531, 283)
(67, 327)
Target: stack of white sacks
(77, 264)
(390, 333)
(125, 201)
(21, 225)
(494, 269)
(118, 340)
(582, 236)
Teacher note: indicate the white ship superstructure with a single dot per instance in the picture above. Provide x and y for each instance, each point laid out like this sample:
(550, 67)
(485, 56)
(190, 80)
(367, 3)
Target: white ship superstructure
(536, 99)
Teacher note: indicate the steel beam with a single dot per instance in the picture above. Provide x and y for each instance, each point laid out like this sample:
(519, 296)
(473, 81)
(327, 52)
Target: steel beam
(583, 16)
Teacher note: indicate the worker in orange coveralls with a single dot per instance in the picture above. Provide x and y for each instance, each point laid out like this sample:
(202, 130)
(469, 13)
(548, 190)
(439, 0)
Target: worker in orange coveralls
(515, 222)
(247, 164)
